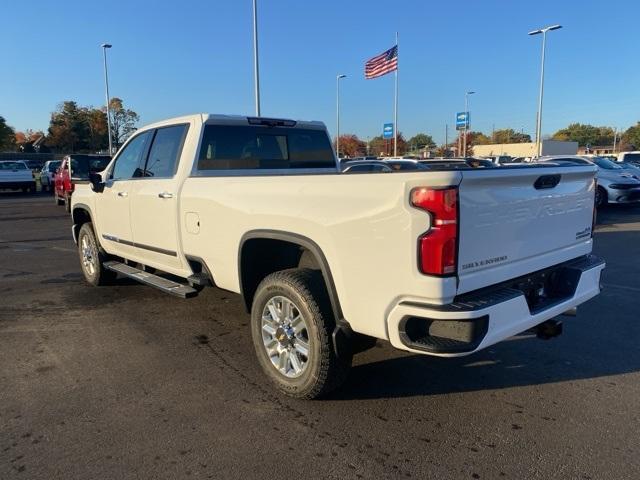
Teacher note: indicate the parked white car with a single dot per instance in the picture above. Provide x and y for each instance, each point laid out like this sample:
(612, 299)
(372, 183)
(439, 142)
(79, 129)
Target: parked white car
(15, 175)
(47, 175)
(441, 263)
(616, 184)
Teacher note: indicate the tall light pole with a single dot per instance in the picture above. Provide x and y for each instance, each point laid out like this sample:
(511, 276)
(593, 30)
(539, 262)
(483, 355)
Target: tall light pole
(466, 124)
(106, 86)
(338, 77)
(543, 31)
(256, 72)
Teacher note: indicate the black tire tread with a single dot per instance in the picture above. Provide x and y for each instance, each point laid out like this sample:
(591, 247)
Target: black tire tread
(310, 285)
(104, 276)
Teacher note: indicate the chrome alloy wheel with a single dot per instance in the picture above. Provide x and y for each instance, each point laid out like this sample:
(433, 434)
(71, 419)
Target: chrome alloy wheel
(285, 336)
(89, 255)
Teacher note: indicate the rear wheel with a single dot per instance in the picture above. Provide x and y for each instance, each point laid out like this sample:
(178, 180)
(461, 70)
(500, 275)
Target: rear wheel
(292, 326)
(601, 197)
(92, 258)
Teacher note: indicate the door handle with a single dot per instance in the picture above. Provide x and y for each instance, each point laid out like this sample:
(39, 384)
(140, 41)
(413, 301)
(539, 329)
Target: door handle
(165, 195)
(123, 194)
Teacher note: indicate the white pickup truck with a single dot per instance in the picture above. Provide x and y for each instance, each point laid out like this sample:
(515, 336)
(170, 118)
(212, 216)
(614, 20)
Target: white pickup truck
(445, 261)
(15, 175)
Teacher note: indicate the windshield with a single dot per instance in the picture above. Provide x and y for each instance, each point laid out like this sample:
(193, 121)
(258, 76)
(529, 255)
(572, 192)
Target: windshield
(12, 166)
(606, 164)
(53, 166)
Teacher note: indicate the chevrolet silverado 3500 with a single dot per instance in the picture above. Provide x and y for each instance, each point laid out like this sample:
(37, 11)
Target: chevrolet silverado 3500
(445, 261)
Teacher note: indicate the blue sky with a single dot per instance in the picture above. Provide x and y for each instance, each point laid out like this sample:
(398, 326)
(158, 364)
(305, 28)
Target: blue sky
(172, 58)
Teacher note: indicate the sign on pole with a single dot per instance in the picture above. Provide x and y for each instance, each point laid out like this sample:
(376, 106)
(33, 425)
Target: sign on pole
(462, 121)
(387, 131)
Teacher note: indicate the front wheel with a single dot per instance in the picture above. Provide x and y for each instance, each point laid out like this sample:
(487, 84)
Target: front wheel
(292, 326)
(601, 197)
(92, 258)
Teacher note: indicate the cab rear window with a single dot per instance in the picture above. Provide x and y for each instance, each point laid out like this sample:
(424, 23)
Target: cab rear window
(238, 147)
(12, 166)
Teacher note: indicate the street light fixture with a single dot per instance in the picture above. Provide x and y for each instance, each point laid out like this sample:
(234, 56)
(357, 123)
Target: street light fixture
(467, 122)
(106, 85)
(338, 77)
(542, 31)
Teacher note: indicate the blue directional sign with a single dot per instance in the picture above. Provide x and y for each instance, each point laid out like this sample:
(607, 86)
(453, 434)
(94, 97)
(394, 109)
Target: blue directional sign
(387, 130)
(462, 120)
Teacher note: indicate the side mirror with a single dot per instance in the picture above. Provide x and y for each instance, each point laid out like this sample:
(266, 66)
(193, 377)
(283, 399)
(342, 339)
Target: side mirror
(97, 185)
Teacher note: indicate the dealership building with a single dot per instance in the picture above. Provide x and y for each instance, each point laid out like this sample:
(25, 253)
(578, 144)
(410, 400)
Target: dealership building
(549, 147)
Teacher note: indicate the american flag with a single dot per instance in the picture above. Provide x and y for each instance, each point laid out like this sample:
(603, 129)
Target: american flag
(382, 64)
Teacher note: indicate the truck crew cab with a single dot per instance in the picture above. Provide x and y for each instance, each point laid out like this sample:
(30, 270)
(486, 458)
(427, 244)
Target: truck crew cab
(440, 262)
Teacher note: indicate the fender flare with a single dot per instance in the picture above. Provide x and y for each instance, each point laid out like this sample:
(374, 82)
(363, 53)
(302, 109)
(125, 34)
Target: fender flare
(75, 228)
(309, 245)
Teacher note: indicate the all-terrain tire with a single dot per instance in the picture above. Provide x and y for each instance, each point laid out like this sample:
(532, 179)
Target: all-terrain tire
(92, 258)
(323, 370)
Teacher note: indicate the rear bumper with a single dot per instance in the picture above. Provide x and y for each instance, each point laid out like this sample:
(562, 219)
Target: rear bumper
(482, 318)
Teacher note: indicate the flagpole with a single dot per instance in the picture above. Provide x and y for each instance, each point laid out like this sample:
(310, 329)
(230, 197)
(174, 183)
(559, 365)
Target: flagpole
(395, 106)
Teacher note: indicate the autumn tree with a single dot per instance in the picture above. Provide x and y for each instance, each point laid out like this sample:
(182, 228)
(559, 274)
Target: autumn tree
(384, 147)
(631, 137)
(351, 146)
(585, 134)
(84, 129)
(123, 121)
(477, 138)
(509, 135)
(7, 136)
(97, 138)
(67, 129)
(421, 140)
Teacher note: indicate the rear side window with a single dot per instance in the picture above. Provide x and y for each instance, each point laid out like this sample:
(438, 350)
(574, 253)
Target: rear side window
(165, 151)
(129, 161)
(231, 147)
(12, 166)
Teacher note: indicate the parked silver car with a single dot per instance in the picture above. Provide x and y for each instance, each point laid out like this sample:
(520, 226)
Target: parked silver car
(616, 184)
(47, 173)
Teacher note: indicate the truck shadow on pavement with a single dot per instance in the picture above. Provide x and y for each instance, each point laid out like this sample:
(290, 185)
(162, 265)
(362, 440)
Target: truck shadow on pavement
(601, 342)
(518, 362)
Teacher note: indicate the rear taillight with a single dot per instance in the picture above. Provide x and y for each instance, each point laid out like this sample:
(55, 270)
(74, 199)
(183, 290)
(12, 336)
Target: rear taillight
(437, 248)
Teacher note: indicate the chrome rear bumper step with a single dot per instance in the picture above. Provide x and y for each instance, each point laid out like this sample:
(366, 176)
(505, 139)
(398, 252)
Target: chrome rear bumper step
(161, 283)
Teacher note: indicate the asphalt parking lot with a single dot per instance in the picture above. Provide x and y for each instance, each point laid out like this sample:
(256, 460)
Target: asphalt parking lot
(126, 382)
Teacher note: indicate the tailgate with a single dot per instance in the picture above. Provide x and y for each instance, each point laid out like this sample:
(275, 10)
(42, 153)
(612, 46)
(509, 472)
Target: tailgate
(514, 221)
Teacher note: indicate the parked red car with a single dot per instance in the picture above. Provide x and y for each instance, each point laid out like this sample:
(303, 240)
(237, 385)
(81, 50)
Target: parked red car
(74, 168)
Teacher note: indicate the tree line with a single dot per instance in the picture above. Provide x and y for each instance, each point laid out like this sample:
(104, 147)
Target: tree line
(586, 136)
(83, 129)
(73, 129)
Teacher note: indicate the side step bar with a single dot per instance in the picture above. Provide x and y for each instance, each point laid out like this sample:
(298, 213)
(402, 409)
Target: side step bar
(167, 286)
